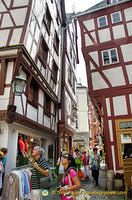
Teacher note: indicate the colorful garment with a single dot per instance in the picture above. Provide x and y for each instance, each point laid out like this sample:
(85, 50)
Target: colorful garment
(65, 181)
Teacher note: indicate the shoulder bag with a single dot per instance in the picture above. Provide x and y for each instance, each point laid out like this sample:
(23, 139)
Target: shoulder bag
(81, 194)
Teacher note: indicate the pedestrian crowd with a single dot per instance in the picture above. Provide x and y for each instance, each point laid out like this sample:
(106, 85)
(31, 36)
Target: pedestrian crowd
(69, 172)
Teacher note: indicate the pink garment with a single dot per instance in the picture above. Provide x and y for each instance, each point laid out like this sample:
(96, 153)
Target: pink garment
(66, 181)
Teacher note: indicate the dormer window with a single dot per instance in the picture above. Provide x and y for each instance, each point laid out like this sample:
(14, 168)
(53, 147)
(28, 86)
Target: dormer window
(102, 21)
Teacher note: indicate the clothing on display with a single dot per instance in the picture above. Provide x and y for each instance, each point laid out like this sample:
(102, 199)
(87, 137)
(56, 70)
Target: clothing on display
(21, 145)
(17, 185)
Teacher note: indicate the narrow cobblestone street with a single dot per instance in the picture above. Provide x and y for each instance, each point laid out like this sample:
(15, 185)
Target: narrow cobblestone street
(96, 192)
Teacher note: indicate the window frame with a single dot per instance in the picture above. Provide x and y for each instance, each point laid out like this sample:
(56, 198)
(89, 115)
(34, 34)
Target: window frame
(43, 59)
(110, 57)
(53, 74)
(47, 19)
(112, 19)
(99, 22)
(56, 42)
(47, 105)
(35, 88)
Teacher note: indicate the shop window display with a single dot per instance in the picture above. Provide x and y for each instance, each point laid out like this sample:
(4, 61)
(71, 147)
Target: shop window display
(24, 149)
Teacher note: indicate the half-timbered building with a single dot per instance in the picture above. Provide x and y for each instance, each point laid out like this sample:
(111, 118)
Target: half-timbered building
(67, 117)
(106, 32)
(30, 46)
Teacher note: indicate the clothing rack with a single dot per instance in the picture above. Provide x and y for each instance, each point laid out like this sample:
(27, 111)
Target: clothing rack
(22, 167)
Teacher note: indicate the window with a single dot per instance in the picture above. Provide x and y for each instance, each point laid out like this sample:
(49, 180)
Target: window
(114, 1)
(33, 94)
(69, 75)
(102, 21)
(54, 72)
(116, 17)
(56, 43)
(76, 121)
(109, 57)
(47, 19)
(43, 54)
(47, 105)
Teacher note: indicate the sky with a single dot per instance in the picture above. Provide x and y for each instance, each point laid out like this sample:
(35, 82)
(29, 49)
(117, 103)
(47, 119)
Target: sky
(79, 6)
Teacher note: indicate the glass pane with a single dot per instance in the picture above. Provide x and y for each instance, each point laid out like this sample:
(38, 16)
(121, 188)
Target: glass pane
(126, 144)
(113, 56)
(116, 17)
(125, 125)
(106, 57)
(102, 21)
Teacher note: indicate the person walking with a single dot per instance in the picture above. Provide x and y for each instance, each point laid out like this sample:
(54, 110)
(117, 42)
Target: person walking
(40, 169)
(85, 160)
(68, 189)
(95, 165)
(61, 167)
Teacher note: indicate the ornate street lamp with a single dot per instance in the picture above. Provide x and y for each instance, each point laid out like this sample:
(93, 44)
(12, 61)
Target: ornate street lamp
(18, 85)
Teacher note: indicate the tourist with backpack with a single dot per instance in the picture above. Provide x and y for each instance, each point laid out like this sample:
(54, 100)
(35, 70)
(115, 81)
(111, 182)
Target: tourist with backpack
(40, 171)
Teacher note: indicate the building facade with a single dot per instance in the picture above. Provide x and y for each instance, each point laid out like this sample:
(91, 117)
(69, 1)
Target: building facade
(67, 122)
(106, 31)
(33, 47)
(81, 138)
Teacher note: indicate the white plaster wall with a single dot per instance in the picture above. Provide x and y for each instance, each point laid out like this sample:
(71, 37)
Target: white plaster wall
(9, 52)
(2, 7)
(129, 28)
(128, 14)
(41, 97)
(115, 76)
(18, 3)
(108, 106)
(104, 35)
(33, 51)
(28, 44)
(46, 121)
(129, 73)
(95, 57)
(113, 157)
(130, 97)
(31, 112)
(92, 66)
(6, 22)
(4, 99)
(9, 73)
(15, 39)
(4, 136)
(19, 15)
(126, 51)
(18, 104)
(94, 36)
(118, 31)
(7, 2)
(120, 107)
(24, 99)
(98, 82)
(88, 41)
(89, 24)
(110, 130)
(40, 115)
(4, 35)
(12, 146)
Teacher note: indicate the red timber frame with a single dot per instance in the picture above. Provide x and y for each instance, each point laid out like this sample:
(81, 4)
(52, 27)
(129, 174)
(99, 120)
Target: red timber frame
(99, 96)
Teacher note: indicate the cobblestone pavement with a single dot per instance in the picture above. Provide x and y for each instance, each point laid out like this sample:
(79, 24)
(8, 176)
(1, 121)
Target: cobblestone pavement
(96, 192)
